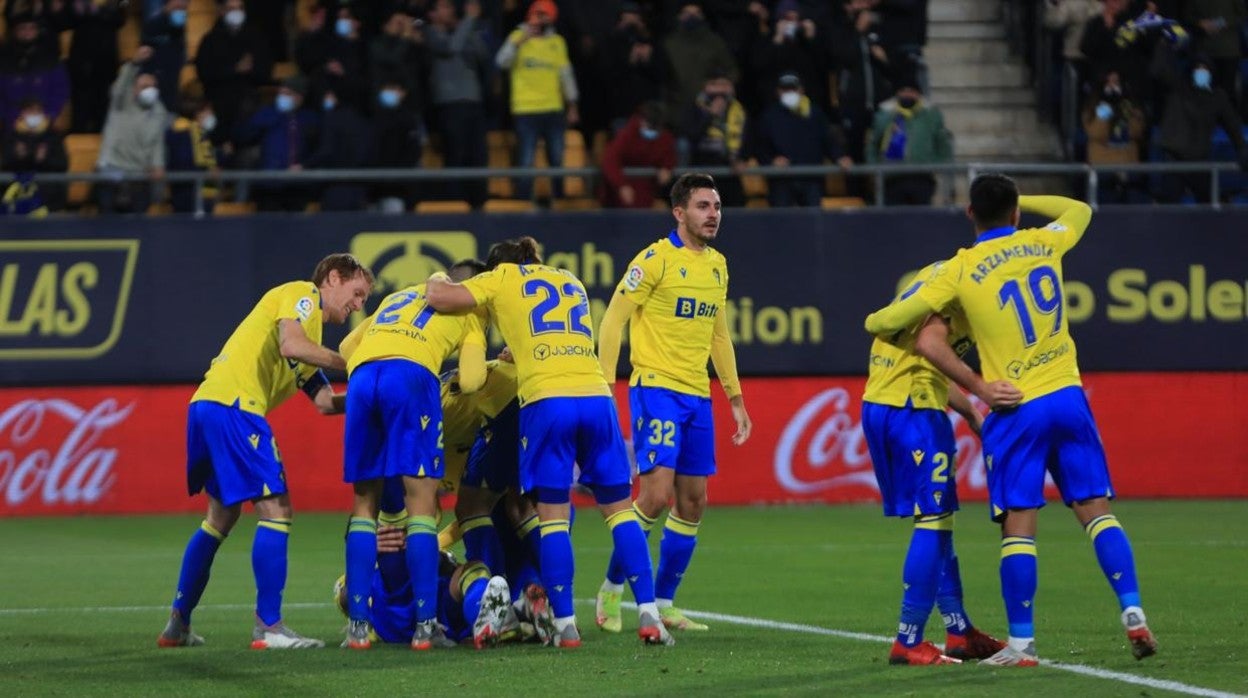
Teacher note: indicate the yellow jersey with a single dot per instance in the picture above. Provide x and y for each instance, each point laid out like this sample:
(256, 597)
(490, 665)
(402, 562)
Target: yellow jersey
(1009, 284)
(679, 295)
(462, 415)
(535, 84)
(543, 314)
(897, 374)
(250, 368)
(405, 327)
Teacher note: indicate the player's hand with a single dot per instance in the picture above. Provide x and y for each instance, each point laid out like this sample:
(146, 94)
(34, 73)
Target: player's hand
(744, 425)
(505, 355)
(1002, 395)
(390, 539)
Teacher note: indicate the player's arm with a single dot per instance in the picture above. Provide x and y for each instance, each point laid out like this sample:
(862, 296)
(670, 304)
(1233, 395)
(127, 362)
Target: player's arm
(472, 368)
(611, 334)
(319, 390)
(724, 359)
(295, 344)
(898, 316)
(446, 296)
(962, 405)
(1070, 217)
(932, 344)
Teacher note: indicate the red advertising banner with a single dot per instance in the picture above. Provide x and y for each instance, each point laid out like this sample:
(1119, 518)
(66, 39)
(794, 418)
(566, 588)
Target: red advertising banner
(122, 449)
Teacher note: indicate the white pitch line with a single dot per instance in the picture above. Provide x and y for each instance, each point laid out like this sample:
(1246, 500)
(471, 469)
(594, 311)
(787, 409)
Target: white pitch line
(1082, 669)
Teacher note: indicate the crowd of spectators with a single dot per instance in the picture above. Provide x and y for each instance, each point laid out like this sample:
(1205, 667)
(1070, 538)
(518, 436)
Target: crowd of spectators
(376, 83)
(1157, 80)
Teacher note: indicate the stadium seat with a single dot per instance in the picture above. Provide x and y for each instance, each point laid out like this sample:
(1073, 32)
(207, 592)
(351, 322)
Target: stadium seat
(443, 207)
(831, 202)
(187, 76)
(757, 202)
(509, 206)
(234, 208)
(128, 37)
(200, 16)
(755, 186)
(499, 145)
(285, 69)
(580, 204)
(82, 150)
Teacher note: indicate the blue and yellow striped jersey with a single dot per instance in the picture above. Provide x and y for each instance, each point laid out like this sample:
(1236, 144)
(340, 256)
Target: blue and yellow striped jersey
(679, 293)
(404, 327)
(897, 374)
(250, 368)
(543, 314)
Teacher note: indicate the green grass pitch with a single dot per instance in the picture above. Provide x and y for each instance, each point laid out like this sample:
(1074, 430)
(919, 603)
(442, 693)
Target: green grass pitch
(82, 599)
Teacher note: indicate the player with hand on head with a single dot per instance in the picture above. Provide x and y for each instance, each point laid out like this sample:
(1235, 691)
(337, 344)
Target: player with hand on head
(1009, 284)
(673, 298)
(913, 452)
(231, 451)
(394, 429)
(567, 417)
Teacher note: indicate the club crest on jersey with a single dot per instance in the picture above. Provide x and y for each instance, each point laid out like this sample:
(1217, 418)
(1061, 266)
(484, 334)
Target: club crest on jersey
(634, 277)
(718, 278)
(1055, 227)
(304, 308)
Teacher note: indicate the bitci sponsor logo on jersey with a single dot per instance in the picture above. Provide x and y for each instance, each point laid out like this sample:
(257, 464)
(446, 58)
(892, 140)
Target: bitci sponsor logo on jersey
(58, 453)
(63, 299)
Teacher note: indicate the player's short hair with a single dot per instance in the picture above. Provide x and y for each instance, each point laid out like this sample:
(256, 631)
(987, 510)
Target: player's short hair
(470, 267)
(994, 197)
(522, 250)
(685, 185)
(345, 264)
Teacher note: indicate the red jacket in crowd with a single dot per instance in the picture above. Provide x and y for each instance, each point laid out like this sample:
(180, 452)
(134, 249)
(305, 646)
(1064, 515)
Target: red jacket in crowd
(630, 148)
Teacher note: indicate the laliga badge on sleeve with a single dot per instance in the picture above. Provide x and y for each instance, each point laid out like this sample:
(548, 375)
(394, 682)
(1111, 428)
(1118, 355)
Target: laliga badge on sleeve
(304, 307)
(634, 277)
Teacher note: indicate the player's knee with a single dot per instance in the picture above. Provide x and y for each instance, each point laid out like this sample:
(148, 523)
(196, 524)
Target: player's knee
(690, 508)
(651, 502)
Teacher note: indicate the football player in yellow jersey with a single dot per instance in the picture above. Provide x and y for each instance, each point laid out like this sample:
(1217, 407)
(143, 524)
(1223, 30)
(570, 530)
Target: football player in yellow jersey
(567, 417)
(673, 297)
(1009, 284)
(231, 451)
(394, 428)
(912, 450)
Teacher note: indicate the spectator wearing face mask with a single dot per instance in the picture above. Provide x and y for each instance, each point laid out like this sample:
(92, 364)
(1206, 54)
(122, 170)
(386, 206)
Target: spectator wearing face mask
(30, 145)
(795, 131)
(542, 88)
(642, 142)
(232, 61)
(1194, 107)
(286, 132)
(794, 47)
(92, 60)
(399, 134)
(30, 68)
(1115, 126)
(344, 141)
(337, 60)
(189, 148)
(907, 130)
(166, 34)
(712, 133)
(693, 52)
(399, 50)
(134, 138)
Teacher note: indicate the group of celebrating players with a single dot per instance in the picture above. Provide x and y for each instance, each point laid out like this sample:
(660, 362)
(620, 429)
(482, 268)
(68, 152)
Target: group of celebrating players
(513, 435)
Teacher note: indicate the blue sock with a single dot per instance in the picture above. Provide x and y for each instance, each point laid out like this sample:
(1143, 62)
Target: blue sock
(361, 560)
(422, 565)
(634, 554)
(472, 584)
(919, 576)
(558, 566)
(680, 537)
(531, 536)
(1018, 584)
(1113, 551)
(268, 563)
(615, 569)
(196, 565)
(949, 591)
(481, 542)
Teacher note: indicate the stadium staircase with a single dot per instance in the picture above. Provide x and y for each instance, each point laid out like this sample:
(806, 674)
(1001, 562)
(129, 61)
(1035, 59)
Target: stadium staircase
(984, 92)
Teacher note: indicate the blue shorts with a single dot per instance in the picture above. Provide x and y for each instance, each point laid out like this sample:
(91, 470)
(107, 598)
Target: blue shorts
(672, 430)
(394, 422)
(913, 452)
(1055, 432)
(232, 454)
(557, 432)
(394, 619)
(494, 461)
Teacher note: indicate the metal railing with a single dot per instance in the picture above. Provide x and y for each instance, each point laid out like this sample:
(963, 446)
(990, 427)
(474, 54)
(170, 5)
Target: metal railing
(946, 172)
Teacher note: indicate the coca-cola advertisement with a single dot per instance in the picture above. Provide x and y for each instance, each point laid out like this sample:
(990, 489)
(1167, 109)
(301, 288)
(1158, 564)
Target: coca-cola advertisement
(122, 450)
